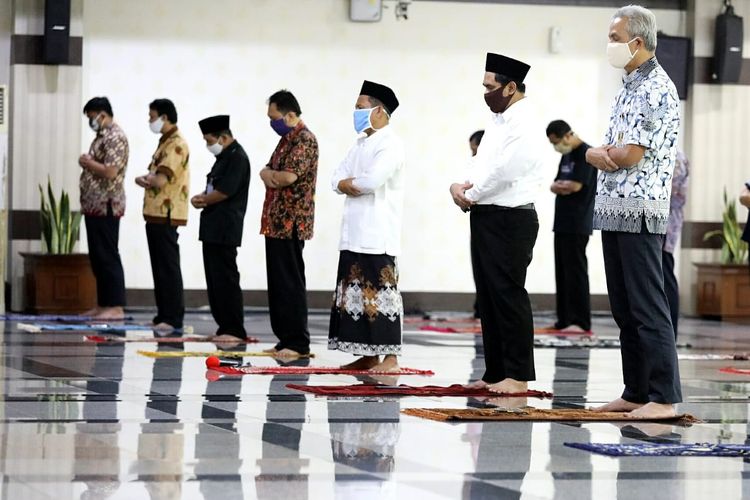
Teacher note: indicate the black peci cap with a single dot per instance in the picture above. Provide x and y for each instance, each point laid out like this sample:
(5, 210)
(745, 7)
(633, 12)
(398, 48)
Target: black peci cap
(214, 124)
(381, 93)
(506, 66)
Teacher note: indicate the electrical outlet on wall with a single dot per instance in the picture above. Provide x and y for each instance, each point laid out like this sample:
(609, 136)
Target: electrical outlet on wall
(365, 11)
(555, 40)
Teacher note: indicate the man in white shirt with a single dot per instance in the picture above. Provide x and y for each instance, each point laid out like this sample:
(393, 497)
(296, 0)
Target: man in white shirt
(506, 175)
(367, 309)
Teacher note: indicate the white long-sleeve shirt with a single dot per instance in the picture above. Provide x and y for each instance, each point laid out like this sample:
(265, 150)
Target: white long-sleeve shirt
(372, 221)
(508, 169)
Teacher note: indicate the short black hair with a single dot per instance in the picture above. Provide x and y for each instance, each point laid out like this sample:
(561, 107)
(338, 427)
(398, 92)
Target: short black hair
(164, 107)
(285, 102)
(559, 128)
(504, 80)
(98, 104)
(476, 137)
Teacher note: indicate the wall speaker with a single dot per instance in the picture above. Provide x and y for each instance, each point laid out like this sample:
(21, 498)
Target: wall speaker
(675, 54)
(56, 31)
(727, 47)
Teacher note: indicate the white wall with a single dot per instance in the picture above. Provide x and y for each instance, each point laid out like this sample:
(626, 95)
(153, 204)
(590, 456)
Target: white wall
(229, 56)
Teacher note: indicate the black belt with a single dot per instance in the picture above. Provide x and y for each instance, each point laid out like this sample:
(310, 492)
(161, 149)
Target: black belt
(498, 208)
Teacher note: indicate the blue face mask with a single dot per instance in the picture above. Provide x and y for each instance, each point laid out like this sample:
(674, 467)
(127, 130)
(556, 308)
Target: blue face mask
(280, 127)
(362, 119)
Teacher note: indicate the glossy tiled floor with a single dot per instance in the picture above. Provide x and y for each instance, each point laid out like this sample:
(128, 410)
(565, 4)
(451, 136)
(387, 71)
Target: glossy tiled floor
(93, 421)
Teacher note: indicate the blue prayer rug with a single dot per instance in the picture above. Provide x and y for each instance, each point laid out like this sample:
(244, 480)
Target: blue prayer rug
(665, 449)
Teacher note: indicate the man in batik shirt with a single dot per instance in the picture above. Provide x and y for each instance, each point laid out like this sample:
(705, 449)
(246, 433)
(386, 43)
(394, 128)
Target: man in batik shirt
(102, 205)
(367, 309)
(674, 228)
(287, 222)
(631, 209)
(165, 208)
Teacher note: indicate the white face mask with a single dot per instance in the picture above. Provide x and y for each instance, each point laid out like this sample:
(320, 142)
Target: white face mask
(562, 148)
(215, 148)
(619, 55)
(94, 123)
(156, 125)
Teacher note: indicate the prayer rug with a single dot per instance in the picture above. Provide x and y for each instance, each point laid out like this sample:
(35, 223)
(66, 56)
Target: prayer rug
(665, 449)
(733, 357)
(535, 414)
(478, 330)
(457, 390)
(736, 371)
(53, 317)
(205, 354)
(80, 327)
(311, 370)
(104, 339)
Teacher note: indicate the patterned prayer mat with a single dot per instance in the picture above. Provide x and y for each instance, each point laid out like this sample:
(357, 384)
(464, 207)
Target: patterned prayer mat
(735, 371)
(584, 342)
(53, 317)
(82, 327)
(477, 329)
(698, 357)
(457, 390)
(201, 354)
(104, 339)
(665, 449)
(535, 414)
(311, 370)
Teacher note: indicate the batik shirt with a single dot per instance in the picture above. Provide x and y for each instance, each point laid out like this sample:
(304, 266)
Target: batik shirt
(645, 113)
(169, 203)
(98, 194)
(677, 202)
(292, 207)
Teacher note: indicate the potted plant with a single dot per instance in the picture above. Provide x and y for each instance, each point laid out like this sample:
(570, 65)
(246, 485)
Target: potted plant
(58, 281)
(724, 288)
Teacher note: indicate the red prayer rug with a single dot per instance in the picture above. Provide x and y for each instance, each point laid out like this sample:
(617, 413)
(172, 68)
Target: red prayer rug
(736, 371)
(478, 330)
(456, 390)
(311, 370)
(536, 414)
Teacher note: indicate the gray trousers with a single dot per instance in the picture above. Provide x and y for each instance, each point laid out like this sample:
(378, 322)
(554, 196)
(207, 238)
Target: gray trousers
(633, 264)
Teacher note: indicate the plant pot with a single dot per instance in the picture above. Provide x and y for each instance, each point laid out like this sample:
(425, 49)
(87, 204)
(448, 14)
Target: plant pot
(58, 283)
(723, 290)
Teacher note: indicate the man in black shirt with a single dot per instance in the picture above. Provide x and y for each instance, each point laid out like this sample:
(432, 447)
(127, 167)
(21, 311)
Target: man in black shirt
(224, 203)
(575, 187)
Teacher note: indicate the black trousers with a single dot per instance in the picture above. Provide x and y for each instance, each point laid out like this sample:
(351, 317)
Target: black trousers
(224, 292)
(287, 293)
(165, 268)
(103, 235)
(572, 279)
(502, 243)
(671, 288)
(635, 283)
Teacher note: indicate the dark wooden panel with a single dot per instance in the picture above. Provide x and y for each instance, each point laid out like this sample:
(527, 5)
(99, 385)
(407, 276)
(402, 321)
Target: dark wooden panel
(702, 68)
(693, 231)
(25, 225)
(29, 49)
(615, 4)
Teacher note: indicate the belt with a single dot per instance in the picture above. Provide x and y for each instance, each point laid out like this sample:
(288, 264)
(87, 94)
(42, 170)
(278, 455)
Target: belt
(499, 208)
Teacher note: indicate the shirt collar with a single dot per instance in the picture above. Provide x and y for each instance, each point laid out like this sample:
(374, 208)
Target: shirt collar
(513, 111)
(167, 135)
(635, 78)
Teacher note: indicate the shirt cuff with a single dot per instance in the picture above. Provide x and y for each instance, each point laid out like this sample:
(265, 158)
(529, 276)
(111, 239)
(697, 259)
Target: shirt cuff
(472, 194)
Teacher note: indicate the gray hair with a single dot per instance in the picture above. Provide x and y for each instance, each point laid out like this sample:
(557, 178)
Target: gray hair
(641, 24)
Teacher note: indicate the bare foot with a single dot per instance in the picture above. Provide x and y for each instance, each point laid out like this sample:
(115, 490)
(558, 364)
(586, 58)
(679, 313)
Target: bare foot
(477, 384)
(271, 350)
(165, 327)
(227, 340)
(618, 404)
(389, 364)
(91, 312)
(110, 313)
(653, 411)
(363, 363)
(287, 353)
(649, 429)
(509, 386)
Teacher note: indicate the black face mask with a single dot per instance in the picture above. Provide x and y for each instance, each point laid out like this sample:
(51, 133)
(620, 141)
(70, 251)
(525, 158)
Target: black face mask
(496, 101)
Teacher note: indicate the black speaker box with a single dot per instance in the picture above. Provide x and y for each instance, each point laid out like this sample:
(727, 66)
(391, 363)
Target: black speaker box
(675, 54)
(727, 48)
(56, 31)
